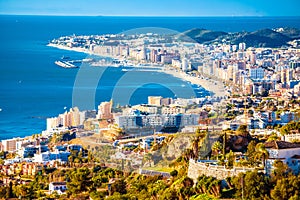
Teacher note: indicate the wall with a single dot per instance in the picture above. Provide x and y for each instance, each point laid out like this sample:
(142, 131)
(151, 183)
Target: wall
(197, 169)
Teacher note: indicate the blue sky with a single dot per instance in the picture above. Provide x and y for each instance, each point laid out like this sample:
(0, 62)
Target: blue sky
(152, 7)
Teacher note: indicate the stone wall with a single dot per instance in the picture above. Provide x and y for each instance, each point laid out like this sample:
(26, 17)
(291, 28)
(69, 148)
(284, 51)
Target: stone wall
(153, 173)
(197, 169)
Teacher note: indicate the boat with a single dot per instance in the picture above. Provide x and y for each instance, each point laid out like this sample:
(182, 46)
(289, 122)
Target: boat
(65, 64)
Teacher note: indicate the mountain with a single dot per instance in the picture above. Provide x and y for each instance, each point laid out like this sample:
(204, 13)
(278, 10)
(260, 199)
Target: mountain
(290, 32)
(200, 35)
(260, 38)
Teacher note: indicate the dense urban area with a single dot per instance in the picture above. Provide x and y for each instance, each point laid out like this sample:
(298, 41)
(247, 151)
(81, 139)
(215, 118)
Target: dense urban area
(240, 142)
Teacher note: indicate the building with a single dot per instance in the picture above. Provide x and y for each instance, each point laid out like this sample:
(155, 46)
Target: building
(131, 121)
(257, 73)
(288, 153)
(242, 46)
(292, 136)
(184, 65)
(146, 108)
(104, 110)
(46, 157)
(172, 109)
(59, 187)
(9, 145)
(74, 147)
(154, 100)
(286, 117)
(157, 120)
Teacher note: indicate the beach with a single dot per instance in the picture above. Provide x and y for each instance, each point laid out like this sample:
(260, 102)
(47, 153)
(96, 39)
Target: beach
(214, 86)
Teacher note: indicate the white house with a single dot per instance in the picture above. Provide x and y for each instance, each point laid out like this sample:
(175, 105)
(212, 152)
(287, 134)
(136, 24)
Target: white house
(45, 157)
(288, 153)
(59, 187)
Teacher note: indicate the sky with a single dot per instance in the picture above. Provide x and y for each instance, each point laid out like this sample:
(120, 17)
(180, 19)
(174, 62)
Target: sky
(151, 7)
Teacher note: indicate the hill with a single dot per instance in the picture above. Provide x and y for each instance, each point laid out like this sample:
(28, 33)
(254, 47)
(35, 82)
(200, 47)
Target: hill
(200, 35)
(290, 32)
(261, 38)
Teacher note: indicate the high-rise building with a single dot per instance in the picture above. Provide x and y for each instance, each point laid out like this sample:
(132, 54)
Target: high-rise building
(9, 145)
(153, 55)
(257, 73)
(104, 110)
(242, 46)
(184, 65)
(154, 100)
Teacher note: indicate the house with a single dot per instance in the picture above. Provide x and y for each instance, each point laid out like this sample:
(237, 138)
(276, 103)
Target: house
(75, 147)
(46, 157)
(288, 153)
(59, 187)
(293, 135)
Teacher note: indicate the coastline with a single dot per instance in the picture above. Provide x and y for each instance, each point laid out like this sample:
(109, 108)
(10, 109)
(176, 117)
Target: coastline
(216, 90)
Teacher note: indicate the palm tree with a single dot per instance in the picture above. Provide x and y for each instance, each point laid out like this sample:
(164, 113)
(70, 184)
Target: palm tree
(195, 146)
(262, 153)
(217, 147)
(188, 154)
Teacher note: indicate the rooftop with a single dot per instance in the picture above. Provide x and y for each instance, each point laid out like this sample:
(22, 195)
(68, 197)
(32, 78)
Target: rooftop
(281, 145)
(58, 183)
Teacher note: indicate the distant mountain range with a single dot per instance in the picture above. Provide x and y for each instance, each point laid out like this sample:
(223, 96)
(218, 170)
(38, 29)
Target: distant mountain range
(261, 38)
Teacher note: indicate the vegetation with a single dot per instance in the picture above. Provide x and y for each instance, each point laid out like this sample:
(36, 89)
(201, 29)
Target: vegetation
(292, 126)
(259, 38)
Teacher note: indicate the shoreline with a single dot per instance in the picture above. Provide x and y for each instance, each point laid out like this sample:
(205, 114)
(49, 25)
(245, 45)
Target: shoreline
(216, 90)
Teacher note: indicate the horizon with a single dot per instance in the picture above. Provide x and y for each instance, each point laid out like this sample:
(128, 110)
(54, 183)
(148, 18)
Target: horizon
(166, 16)
(178, 8)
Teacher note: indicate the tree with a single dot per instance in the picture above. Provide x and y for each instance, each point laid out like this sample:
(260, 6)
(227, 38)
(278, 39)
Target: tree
(23, 191)
(280, 171)
(188, 154)
(242, 130)
(185, 189)
(119, 186)
(230, 159)
(251, 152)
(80, 180)
(208, 185)
(216, 147)
(174, 173)
(287, 188)
(9, 191)
(195, 146)
(157, 188)
(205, 149)
(169, 194)
(290, 126)
(262, 153)
(253, 185)
(148, 158)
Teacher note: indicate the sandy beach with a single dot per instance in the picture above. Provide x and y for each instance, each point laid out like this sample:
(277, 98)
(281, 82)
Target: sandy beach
(215, 87)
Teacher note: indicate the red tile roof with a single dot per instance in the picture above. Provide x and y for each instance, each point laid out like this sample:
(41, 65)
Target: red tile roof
(281, 145)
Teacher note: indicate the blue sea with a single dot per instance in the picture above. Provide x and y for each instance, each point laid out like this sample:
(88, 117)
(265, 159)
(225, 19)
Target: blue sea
(33, 88)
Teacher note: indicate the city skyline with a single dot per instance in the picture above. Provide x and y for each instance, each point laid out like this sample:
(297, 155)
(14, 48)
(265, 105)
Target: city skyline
(151, 8)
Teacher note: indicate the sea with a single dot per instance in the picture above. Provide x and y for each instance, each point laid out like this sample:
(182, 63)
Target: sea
(33, 88)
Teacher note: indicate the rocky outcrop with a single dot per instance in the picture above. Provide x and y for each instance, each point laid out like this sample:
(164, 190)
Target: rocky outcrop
(177, 147)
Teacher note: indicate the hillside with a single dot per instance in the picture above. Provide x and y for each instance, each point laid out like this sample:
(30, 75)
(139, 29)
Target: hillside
(260, 38)
(263, 38)
(200, 35)
(293, 33)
